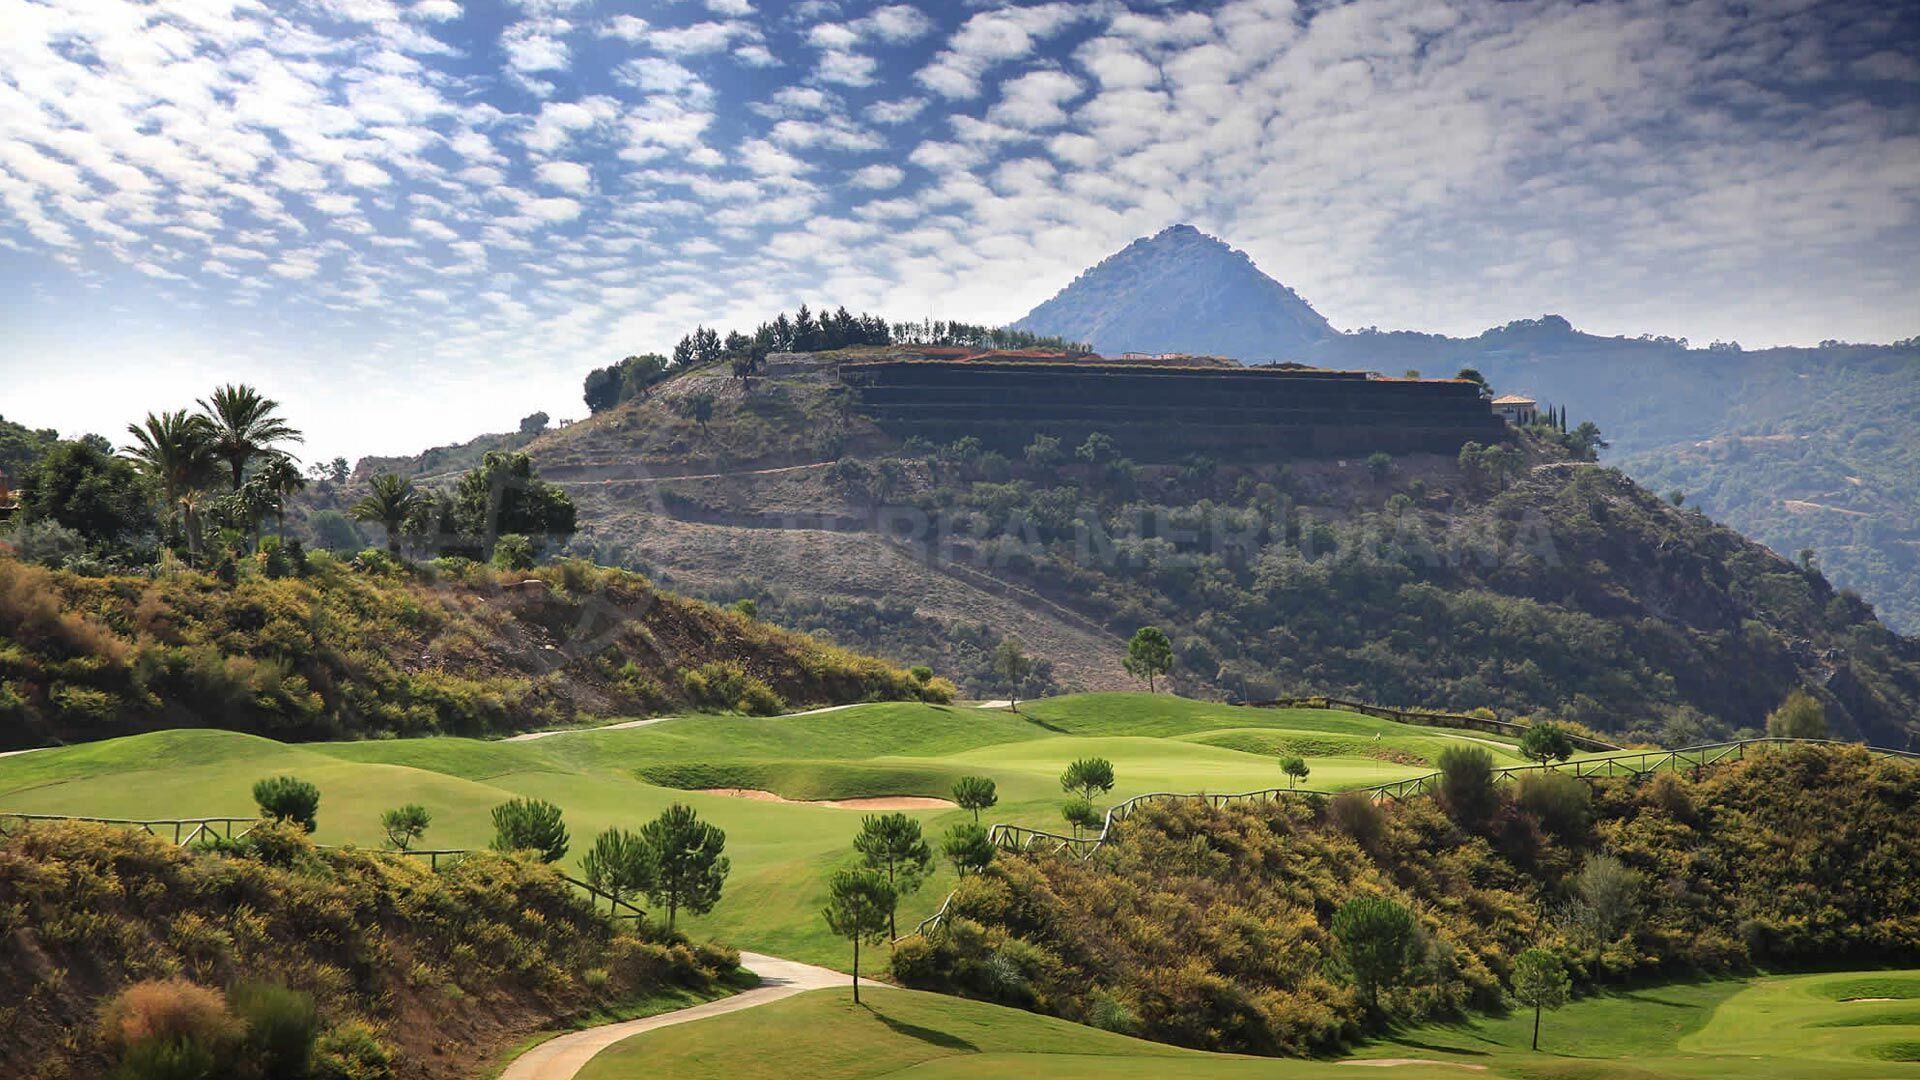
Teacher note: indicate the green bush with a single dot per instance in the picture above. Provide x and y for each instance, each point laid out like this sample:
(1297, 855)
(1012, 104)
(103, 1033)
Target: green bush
(352, 1051)
(1561, 804)
(287, 798)
(513, 552)
(280, 1027)
(1466, 784)
(530, 825)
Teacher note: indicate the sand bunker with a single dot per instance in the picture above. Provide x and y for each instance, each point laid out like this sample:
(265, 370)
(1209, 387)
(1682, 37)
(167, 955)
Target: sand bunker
(1847, 1001)
(1388, 1063)
(878, 802)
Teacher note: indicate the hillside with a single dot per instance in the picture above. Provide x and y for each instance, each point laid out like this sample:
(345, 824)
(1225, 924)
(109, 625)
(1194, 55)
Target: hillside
(1210, 926)
(434, 973)
(1180, 291)
(370, 648)
(1523, 581)
(1796, 447)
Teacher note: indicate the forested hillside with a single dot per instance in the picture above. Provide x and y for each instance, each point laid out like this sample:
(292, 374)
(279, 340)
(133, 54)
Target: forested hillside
(1797, 448)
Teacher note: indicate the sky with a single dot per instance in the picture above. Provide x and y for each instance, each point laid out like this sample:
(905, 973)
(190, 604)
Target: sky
(413, 221)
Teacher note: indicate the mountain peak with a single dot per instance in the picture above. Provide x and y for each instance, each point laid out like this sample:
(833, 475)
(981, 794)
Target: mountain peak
(1181, 290)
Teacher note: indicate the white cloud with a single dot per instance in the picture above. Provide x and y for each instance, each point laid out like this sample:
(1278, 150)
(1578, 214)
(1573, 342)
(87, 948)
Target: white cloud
(877, 177)
(1035, 100)
(569, 176)
(898, 111)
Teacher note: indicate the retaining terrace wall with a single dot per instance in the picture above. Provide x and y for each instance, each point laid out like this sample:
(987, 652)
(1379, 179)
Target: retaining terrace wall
(1161, 413)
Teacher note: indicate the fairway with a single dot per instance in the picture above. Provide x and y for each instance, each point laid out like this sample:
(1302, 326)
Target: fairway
(1761, 1029)
(781, 852)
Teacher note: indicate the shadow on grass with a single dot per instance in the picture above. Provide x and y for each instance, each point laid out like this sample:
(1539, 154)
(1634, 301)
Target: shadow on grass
(923, 1034)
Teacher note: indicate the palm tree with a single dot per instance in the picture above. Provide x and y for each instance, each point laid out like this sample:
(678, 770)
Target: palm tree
(245, 426)
(176, 450)
(392, 500)
(282, 477)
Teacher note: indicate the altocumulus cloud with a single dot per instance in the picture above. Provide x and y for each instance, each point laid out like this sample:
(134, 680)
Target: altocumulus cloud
(368, 202)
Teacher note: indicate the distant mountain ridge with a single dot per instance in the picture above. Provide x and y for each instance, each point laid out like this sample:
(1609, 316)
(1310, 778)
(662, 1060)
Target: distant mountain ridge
(1797, 447)
(1181, 290)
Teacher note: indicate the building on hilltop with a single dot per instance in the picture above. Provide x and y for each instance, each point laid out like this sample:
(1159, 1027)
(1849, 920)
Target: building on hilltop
(1168, 411)
(1516, 410)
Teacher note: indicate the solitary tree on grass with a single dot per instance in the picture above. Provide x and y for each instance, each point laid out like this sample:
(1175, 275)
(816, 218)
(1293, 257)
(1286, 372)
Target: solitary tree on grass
(1539, 981)
(1546, 742)
(1295, 767)
(530, 825)
(1012, 664)
(620, 865)
(968, 848)
(287, 798)
(1148, 654)
(975, 793)
(893, 845)
(1080, 814)
(1088, 777)
(405, 824)
(1376, 942)
(859, 907)
(689, 867)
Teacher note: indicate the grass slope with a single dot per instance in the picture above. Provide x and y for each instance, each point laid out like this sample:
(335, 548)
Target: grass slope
(1763, 1029)
(781, 852)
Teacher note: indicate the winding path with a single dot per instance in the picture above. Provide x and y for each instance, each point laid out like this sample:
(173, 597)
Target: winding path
(562, 1058)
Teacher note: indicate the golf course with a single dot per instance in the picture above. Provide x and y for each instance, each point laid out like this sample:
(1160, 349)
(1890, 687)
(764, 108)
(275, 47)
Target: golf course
(782, 852)
(1817, 1027)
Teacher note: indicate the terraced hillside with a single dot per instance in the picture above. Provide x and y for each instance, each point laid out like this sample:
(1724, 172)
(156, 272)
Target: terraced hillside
(781, 851)
(1522, 579)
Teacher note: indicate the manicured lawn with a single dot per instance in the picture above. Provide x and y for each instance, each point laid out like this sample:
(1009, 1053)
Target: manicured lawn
(1764, 1029)
(781, 853)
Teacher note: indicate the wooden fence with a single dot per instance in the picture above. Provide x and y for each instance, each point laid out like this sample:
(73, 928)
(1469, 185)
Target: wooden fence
(185, 832)
(1626, 763)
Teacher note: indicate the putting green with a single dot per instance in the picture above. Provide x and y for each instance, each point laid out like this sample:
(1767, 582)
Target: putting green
(781, 853)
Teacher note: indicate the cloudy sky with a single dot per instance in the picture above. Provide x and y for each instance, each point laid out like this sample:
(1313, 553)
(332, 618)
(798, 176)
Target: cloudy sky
(414, 220)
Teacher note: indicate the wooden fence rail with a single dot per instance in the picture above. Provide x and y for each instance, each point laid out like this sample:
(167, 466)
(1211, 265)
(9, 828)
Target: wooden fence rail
(1626, 763)
(187, 831)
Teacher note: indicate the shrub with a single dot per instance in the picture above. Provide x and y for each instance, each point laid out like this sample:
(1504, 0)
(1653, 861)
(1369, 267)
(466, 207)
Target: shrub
(939, 691)
(1561, 804)
(352, 1051)
(161, 1028)
(287, 798)
(1606, 901)
(530, 825)
(921, 673)
(1800, 716)
(1354, 813)
(724, 684)
(513, 552)
(1466, 784)
(280, 1027)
